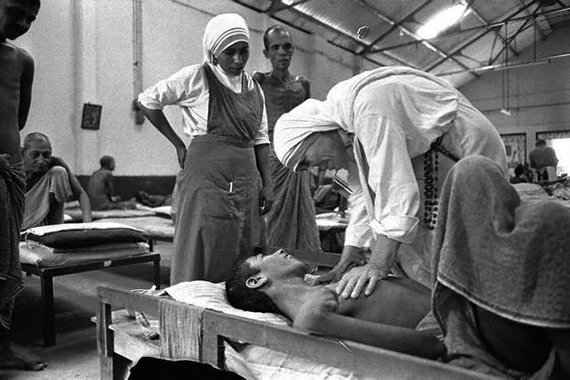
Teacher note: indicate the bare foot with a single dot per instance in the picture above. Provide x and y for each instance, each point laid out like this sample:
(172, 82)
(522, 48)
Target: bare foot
(12, 360)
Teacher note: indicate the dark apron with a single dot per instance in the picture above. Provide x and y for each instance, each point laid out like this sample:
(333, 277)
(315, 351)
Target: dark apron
(218, 220)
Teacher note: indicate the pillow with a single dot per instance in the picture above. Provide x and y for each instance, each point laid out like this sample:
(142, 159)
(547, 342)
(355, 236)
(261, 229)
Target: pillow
(213, 296)
(78, 235)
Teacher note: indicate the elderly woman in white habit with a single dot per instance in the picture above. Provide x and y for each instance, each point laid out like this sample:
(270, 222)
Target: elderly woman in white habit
(225, 184)
(398, 131)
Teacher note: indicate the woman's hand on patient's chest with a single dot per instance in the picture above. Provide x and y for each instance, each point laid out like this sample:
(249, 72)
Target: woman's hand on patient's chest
(361, 278)
(351, 256)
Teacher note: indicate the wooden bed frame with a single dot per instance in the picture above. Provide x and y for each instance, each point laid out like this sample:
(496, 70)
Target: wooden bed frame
(46, 275)
(121, 342)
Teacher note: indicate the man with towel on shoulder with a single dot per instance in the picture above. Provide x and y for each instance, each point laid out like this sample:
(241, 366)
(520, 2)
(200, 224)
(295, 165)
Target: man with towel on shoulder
(49, 184)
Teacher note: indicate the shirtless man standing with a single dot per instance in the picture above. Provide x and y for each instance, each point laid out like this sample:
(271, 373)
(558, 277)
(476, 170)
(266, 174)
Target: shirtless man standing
(16, 78)
(291, 223)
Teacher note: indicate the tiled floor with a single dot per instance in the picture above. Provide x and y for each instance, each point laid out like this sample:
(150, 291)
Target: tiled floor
(75, 354)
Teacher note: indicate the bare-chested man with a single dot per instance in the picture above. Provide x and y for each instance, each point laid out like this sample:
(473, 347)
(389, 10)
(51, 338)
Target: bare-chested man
(291, 222)
(16, 77)
(387, 318)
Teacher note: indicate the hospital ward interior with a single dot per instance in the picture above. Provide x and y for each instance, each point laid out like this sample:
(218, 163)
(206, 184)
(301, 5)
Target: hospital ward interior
(285, 189)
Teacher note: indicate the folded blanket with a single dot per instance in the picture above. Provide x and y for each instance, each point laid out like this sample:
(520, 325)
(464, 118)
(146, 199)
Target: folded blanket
(508, 256)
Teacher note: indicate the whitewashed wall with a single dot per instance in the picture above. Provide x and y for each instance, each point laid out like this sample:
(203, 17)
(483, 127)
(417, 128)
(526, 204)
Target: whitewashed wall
(84, 54)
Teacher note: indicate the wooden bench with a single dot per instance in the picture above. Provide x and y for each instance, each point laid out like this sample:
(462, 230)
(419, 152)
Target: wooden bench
(121, 342)
(46, 275)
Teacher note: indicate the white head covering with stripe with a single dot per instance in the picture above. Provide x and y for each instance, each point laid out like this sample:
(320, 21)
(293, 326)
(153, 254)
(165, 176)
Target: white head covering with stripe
(221, 32)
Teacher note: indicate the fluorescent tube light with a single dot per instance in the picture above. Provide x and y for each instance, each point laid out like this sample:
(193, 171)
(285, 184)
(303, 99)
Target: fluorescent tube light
(442, 21)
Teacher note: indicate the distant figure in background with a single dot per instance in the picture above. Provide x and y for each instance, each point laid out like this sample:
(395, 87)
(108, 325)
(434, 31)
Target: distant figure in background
(520, 175)
(49, 184)
(291, 223)
(101, 189)
(543, 159)
(16, 77)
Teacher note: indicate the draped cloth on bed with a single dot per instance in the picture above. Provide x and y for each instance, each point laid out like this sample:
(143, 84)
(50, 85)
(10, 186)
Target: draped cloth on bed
(12, 189)
(507, 256)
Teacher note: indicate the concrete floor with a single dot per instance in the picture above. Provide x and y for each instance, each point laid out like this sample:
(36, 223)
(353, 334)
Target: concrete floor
(75, 354)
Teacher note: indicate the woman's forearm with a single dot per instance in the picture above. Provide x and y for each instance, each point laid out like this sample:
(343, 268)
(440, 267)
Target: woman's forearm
(262, 161)
(383, 252)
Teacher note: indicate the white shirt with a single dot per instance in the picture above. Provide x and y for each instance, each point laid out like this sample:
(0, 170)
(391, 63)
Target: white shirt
(188, 88)
(395, 119)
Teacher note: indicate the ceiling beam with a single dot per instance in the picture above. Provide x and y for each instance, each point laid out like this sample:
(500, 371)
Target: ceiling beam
(490, 27)
(405, 30)
(538, 28)
(482, 19)
(394, 27)
(352, 37)
(509, 18)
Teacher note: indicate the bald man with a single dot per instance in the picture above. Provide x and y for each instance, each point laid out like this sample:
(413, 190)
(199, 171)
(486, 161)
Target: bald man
(49, 184)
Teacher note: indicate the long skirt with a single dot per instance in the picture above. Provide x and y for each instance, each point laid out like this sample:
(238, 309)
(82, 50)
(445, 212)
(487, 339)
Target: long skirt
(218, 216)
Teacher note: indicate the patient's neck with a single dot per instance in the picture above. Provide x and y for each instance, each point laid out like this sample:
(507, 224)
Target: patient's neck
(289, 294)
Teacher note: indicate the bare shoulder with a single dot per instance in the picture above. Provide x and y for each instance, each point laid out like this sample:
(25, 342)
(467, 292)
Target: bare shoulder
(259, 76)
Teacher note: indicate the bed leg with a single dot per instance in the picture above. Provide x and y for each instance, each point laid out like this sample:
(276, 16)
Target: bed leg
(48, 310)
(156, 264)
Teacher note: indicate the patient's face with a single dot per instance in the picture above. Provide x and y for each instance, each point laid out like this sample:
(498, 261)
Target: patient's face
(280, 264)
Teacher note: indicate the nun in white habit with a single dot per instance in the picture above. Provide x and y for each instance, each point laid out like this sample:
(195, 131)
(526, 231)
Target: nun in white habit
(398, 131)
(225, 184)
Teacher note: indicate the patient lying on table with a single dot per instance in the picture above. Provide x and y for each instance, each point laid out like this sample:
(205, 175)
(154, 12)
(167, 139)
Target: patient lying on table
(386, 319)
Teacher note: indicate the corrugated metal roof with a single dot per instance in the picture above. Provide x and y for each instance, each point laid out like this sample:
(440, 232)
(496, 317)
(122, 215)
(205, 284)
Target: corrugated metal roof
(490, 35)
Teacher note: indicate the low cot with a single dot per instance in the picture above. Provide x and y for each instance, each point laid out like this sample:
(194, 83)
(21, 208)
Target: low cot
(253, 347)
(40, 260)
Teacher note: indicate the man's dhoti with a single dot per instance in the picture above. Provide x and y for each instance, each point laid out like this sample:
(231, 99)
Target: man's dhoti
(12, 188)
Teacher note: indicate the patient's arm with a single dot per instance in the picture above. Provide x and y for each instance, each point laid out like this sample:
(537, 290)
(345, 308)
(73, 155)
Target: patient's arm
(319, 314)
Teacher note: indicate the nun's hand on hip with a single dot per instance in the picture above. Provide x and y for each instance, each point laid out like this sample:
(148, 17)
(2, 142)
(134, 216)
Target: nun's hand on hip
(361, 278)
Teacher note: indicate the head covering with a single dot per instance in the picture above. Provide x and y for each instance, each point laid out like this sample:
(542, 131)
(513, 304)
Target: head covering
(501, 253)
(221, 32)
(292, 131)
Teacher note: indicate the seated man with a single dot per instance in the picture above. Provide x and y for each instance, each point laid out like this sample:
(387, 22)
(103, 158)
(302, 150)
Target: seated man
(49, 184)
(386, 319)
(101, 189)
(502, 265)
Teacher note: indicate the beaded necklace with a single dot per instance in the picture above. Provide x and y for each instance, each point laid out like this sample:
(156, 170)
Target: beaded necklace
(431, 158)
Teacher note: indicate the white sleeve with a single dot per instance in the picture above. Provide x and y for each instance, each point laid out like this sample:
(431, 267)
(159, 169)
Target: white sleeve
(262, 136)
(183, 86)
(358, 232)
(390, 178)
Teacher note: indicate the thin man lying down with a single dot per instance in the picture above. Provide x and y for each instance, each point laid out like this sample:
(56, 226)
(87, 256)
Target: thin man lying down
(386, 319)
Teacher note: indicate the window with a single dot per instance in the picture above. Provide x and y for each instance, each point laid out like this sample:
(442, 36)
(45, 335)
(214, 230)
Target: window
(562, 148)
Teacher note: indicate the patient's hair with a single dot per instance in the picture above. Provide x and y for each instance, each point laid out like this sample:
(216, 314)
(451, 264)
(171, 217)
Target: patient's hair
(242, 297)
